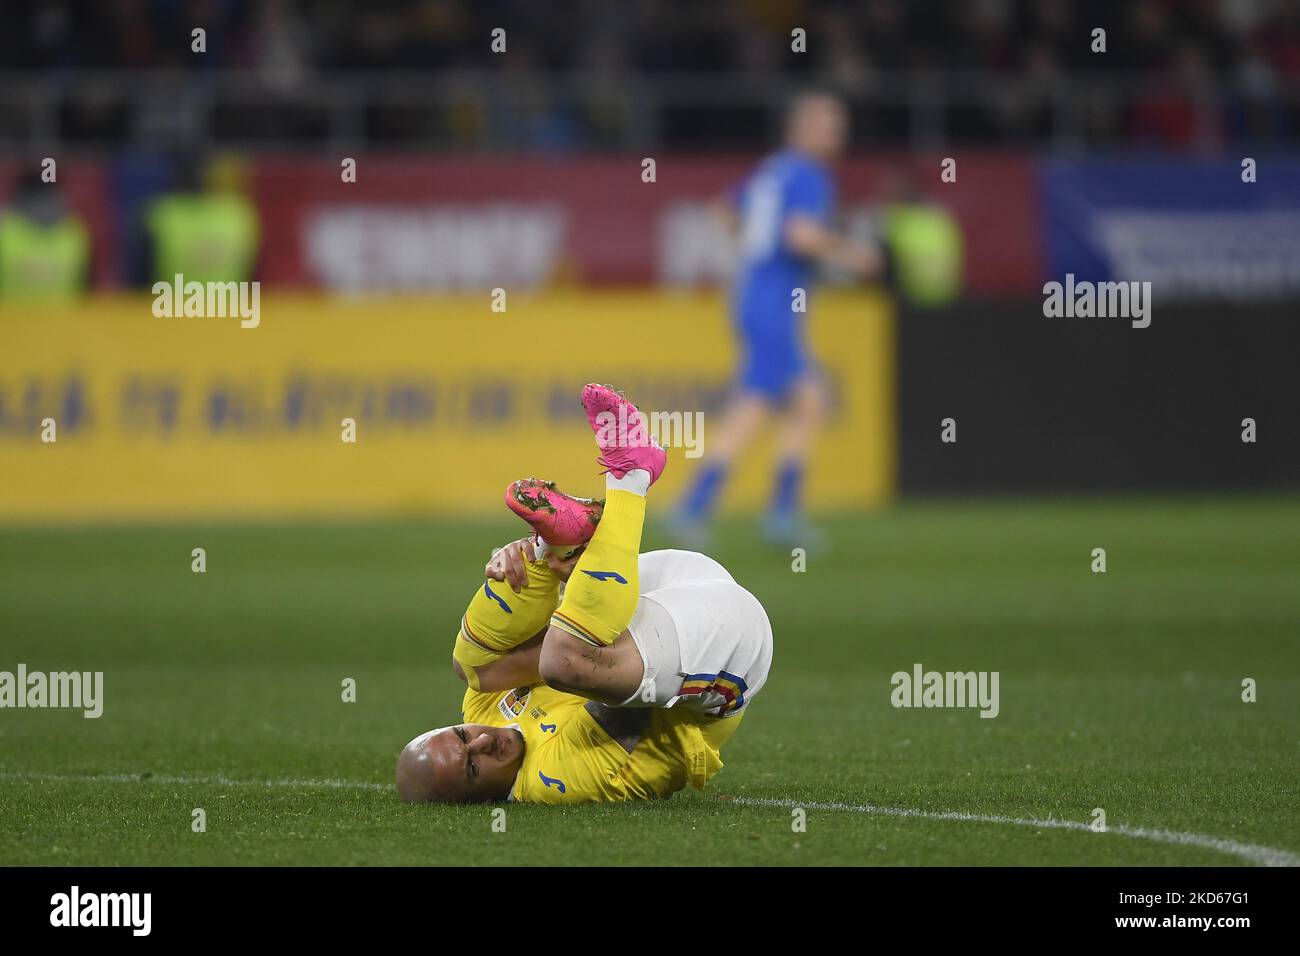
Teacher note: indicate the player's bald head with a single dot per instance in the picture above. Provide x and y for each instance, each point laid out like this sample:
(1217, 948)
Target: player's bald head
(817, 123)
(420, 769)
(465, 763)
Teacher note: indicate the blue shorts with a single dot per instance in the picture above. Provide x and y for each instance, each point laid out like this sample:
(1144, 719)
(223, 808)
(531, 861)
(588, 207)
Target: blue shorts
(773, 356)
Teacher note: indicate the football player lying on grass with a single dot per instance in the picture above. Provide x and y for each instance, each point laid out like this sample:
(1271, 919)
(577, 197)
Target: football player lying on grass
(624, 687)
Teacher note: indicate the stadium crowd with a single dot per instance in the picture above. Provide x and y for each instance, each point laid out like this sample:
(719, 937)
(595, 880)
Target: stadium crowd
(1259, 38)
(1169, 53)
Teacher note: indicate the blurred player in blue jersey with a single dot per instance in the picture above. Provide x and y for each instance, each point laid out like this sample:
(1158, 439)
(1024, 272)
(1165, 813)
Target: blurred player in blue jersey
(781, 215)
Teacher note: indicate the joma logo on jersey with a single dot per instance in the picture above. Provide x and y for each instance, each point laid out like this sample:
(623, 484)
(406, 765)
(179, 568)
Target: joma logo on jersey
(494, 596)
(514, 703)
(555, 782)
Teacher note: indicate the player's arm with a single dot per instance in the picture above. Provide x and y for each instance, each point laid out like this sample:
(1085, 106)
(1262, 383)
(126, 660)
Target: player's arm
(723, 208)
(499, 642)
(807, 236)
(516, 668)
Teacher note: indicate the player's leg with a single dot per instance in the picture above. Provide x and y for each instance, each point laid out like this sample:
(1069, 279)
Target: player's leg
(746, 412)
(767, 346)
(706, 647)
(705, 641)
(801, 423)
(744, 415)
(500, 619)
(582, 651)
(661, 568)
(562, 522)
(640, 668)
(603, 589)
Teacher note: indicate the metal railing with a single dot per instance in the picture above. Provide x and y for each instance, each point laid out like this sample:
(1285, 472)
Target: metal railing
(617, 111)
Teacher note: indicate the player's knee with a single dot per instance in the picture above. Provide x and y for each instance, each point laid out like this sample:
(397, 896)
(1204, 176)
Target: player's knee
(560, 663)
(813, 403)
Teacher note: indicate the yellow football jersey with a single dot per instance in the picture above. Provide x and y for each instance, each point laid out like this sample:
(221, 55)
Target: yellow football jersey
(570, 758)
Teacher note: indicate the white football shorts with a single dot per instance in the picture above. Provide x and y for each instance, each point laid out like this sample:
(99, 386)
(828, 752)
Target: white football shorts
(705, 641)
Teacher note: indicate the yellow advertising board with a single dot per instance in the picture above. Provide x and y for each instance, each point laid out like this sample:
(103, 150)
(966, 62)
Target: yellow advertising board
(164, 419)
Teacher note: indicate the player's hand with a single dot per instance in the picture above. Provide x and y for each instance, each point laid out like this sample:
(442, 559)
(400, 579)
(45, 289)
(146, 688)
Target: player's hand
(510, 564)
(563, 567)
(865, 262)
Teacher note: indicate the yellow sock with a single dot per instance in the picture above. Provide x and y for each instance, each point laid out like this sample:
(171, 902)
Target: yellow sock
(603, 591)
(499, 620)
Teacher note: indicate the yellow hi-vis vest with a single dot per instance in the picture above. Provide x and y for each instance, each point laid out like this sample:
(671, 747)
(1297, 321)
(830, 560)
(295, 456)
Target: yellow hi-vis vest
(42, 262)
(928, 249)
(204, 238)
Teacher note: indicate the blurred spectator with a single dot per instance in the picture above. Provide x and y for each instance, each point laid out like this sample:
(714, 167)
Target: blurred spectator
(1158, 52)
(1178, 112)
(44, 249)
(1277, 39)
(321, 35)
(924, 246)
(205, 228)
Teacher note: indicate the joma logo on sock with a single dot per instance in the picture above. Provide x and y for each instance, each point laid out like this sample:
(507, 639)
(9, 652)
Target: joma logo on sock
(75, 908)
(1084, 300)
(214, 300)
(606, 576)
(922, 688)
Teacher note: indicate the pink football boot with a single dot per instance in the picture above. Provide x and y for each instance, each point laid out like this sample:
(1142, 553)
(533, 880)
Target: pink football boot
(621, 434)
(561, 521)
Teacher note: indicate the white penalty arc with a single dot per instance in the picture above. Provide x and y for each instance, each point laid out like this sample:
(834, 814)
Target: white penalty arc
(1252, 853)
(1259, 855)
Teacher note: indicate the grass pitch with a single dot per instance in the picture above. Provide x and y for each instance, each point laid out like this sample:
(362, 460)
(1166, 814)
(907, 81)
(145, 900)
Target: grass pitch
(1119, 691)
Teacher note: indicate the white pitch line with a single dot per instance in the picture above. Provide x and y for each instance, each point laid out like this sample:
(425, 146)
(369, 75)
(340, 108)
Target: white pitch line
(1260, 855)
(203, 780)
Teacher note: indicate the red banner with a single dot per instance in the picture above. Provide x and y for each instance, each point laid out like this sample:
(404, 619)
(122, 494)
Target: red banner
(475, 222)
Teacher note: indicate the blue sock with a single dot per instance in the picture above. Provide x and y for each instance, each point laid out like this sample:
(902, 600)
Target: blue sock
(785, 496)
(697, 505)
